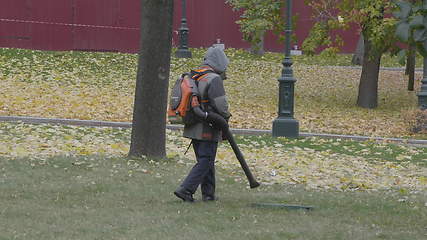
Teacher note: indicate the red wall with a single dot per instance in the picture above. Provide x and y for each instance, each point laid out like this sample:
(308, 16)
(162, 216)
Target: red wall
(113, 25)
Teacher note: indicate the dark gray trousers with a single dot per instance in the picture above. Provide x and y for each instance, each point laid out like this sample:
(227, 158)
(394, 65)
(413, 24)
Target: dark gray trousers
(203, 172)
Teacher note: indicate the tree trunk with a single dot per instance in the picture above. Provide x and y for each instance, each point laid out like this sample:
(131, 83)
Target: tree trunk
(368, 86)
(258, 49)
(149, 115)
(410, 68)
(358, 55)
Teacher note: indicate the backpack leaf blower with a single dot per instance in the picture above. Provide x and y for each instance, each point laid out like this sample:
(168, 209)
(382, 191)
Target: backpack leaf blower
(220, 123)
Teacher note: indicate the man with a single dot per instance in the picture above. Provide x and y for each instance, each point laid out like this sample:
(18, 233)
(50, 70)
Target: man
(204, 136)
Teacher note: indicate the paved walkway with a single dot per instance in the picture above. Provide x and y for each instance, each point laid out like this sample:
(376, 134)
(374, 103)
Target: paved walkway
(91, 123)
(398, 69)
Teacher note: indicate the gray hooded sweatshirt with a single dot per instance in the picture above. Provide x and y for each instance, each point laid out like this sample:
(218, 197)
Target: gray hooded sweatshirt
(212, 94)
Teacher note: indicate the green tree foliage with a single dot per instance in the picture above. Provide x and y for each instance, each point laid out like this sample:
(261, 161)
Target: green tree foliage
(259, 16)
(331, 15)
(411, 30)
(411, 27)
(326, 21)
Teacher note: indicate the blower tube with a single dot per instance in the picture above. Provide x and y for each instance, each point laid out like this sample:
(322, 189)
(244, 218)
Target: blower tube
(220, 123)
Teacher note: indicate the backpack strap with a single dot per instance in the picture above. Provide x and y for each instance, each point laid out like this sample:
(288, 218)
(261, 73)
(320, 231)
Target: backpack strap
(198, 74)
(188, 146)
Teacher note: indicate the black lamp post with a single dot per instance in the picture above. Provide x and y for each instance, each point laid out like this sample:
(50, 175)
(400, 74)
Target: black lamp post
(422, 95)
(285, 124)
(183, 51)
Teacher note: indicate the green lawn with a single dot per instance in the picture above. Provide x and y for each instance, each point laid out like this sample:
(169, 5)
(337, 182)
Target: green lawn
(116, 198)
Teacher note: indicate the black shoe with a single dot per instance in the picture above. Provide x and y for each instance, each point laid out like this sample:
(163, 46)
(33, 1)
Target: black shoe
(209, 198)
(184, 194)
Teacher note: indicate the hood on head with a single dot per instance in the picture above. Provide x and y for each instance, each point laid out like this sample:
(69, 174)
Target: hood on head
(216, 59)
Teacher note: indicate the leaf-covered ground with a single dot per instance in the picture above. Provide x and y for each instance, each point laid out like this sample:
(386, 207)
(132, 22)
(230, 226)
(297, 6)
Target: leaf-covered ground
(312, 162)
(100, 86)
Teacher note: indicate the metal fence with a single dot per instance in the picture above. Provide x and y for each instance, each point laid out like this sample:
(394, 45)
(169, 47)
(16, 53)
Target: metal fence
(113, 25)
